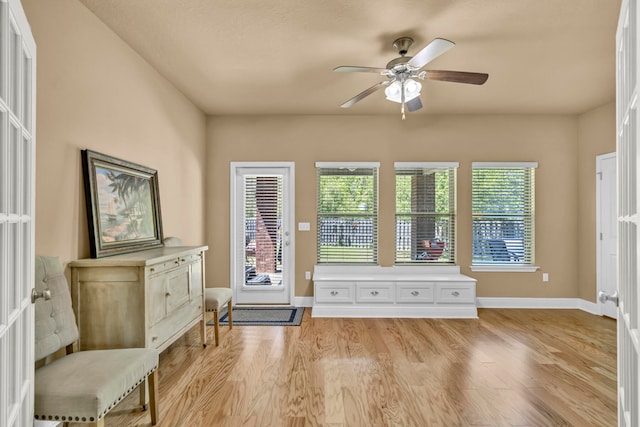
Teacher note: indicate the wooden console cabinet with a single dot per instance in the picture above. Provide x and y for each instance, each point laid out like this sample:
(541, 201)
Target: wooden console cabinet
(398, 291)
(142, 299)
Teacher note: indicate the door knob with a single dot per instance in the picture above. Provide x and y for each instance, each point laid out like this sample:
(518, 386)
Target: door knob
(604, 297)
(46, 294)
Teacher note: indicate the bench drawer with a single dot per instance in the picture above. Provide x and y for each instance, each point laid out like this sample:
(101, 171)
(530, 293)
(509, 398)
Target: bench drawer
(415, 292)
(456, 293)
(335, 292)
(375, 292)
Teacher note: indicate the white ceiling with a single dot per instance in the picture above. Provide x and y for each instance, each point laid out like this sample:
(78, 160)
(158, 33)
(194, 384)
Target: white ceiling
(276, 57)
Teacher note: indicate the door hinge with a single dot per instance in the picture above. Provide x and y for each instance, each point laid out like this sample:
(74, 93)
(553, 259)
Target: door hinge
(600, 236)
(600, 175)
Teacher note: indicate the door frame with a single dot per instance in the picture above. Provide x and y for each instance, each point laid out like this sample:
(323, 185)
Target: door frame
(599, 246)
(237, 248)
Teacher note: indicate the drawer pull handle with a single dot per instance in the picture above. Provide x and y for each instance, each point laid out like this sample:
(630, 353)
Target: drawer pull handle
(177, 262)
(455, 293)
(153, 269)
(154, 338)
(415, 293)
(374, 293)
(334, 293)
(168, 294)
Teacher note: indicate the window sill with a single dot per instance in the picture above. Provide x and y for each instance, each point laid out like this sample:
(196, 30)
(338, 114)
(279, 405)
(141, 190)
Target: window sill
(505, 268)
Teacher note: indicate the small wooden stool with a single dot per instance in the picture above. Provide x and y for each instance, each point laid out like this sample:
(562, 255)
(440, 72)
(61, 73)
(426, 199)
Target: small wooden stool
(214, 299)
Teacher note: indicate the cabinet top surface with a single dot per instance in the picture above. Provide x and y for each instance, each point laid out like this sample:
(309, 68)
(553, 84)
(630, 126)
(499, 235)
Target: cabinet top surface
(141, 258)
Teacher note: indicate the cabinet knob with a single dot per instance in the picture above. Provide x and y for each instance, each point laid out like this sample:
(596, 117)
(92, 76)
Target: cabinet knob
(455, 293)
(374, 293)
(154, 338)
(415, 293)
(168, 294)
(334, 293)
(152, 269)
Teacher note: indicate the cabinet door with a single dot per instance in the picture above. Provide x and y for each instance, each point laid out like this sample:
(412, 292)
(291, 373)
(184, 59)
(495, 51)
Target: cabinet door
(177, 288)
(156, 295)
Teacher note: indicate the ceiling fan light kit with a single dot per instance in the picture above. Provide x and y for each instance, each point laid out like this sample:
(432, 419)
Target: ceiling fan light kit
(411, 90)
(403, 71)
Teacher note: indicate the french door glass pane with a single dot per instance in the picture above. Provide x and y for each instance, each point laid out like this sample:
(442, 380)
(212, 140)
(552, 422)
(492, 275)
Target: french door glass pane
(263, 229)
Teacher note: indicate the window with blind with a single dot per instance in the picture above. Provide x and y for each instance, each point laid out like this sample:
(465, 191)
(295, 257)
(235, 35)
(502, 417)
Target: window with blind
(425, 212)
(347, 212)
(503, 214)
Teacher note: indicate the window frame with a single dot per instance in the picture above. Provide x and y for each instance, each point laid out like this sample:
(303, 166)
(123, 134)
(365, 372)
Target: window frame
(374, 215)
(527, 246)
(452, 170)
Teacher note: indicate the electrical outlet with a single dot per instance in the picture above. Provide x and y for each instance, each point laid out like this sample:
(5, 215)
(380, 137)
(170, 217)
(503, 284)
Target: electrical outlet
(545, 277)
(307, 275)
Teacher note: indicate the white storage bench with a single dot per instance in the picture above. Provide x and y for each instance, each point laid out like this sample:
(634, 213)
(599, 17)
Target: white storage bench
(397, 291)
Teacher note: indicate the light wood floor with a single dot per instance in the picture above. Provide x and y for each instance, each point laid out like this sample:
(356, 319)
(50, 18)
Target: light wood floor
(507, 368)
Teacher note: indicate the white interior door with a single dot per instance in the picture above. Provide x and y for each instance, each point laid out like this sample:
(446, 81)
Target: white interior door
(262, 237)
(628, 215)
(17, 184)
(607, 231)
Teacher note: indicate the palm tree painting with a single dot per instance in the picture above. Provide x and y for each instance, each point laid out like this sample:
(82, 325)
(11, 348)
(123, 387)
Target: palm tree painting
(125, 206)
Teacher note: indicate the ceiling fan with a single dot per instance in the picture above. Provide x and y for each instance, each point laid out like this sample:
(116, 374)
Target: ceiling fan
(402, 72)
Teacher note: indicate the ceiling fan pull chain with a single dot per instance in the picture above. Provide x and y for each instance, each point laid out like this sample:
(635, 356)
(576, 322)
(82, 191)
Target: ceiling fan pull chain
(402, 98)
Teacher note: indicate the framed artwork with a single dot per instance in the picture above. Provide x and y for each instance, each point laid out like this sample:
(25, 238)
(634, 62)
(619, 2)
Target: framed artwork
(123, 205)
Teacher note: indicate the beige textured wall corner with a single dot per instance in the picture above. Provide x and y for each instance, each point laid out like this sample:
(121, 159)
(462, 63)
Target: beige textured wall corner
(550, 140)
(596, 135)
(94, 91)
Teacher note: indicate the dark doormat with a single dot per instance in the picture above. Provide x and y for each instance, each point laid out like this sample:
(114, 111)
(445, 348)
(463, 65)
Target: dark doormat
(263, 316)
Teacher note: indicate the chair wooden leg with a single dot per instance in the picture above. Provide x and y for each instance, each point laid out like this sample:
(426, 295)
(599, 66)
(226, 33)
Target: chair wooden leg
(153, 391)
(216, 324)
(143, 394)
(99, 423)
(203, 329)
(229, 315)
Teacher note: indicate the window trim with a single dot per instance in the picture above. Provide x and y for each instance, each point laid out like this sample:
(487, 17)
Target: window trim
(432, 165)
(502, 268)
(375, 166)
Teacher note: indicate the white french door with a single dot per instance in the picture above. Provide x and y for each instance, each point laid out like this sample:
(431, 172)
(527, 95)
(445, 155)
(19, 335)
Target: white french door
(607, 231)
(17, 202)
(262, 211)
(627, 147)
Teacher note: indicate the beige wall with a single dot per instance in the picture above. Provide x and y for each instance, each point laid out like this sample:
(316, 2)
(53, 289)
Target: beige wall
(550, 140)
(95, 92)
(597, 135)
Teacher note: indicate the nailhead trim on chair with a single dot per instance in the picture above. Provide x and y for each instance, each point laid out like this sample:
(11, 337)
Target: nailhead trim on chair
(92, 419)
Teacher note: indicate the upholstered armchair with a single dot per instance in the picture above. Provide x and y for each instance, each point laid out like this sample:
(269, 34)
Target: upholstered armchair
(81, 387)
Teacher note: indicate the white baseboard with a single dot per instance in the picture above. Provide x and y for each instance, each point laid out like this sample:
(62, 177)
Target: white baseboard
(303, 301)
(507, 302)
(559, 303)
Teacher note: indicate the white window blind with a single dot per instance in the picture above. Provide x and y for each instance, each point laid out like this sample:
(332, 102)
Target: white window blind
(503, 218)
(263, 227)
(425, 212)
(347, 213)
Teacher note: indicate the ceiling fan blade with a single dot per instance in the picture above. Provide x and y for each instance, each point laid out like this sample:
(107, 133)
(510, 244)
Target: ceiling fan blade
(366, 93)
(434, 49)
(414, 105)
(457, 76)
(350, 69)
